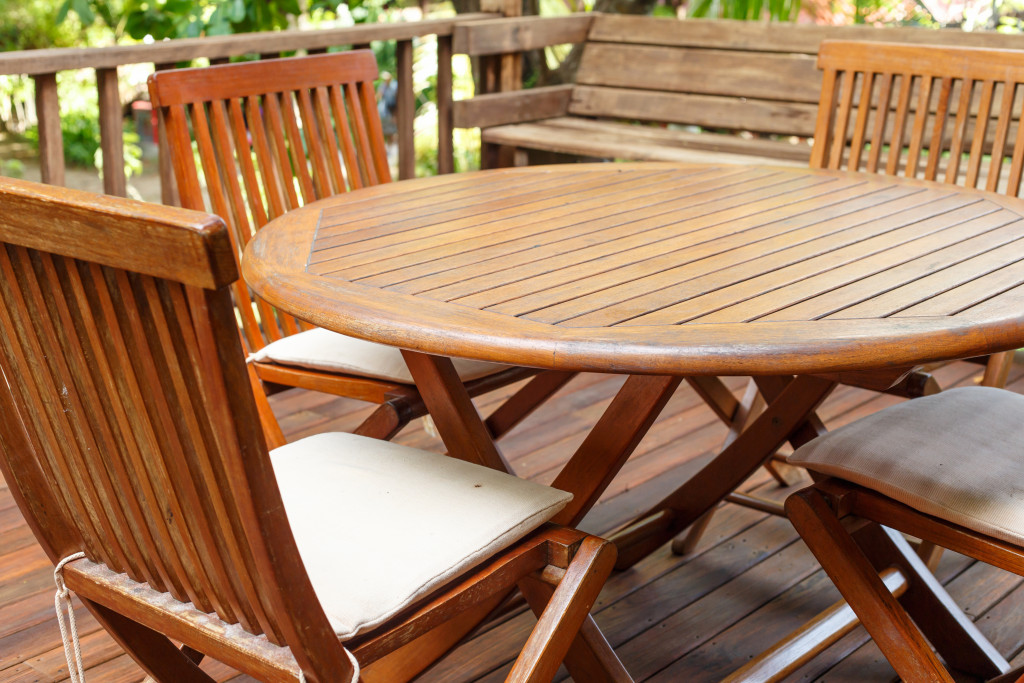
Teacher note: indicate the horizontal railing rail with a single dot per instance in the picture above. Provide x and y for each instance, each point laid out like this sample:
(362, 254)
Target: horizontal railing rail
(43, 65)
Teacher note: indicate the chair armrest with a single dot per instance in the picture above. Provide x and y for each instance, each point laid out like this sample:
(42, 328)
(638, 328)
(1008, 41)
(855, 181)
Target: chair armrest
(517, 34)
(496, 109)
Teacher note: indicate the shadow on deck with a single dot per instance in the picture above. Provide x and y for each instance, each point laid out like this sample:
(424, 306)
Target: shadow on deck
(670, 618)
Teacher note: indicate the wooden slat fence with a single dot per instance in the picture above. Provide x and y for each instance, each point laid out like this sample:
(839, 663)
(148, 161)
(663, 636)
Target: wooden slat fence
(43, 65)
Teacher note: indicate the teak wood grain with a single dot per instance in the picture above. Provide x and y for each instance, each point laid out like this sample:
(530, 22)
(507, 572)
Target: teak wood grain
(665, 270)
(274, 135)
(658, 268)
(128, 432)
(719, 76)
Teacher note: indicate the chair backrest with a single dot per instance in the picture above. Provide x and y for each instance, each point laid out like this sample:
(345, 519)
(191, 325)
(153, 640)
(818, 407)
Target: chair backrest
(939, 113)
(127, 427)
(271, 136)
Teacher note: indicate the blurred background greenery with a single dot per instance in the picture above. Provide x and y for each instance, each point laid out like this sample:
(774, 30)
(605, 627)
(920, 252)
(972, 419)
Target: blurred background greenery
(33, 24)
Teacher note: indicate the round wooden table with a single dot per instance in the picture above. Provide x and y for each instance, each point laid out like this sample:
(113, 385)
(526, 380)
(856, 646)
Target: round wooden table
(661, 271)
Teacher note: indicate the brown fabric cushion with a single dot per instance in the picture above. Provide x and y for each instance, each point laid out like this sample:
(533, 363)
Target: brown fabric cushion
(320, 349)
(958, 455)
(379, 525)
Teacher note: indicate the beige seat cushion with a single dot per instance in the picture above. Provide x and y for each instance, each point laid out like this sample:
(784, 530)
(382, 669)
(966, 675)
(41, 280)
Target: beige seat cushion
(379, 525)
(958, 455)
(320, 349)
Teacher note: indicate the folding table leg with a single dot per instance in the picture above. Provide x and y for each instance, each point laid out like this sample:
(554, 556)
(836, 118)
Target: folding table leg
(788, 417)
(458, 423)
(737, 415)
(587, 474)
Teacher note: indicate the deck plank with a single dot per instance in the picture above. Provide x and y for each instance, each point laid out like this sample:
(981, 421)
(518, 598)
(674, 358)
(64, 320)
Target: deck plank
(670, 618)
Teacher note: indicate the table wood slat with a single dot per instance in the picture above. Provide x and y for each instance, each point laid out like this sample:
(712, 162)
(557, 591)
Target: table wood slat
(658, 268)
(848, 276)
(855, 283)
(654, 299)
(810, 252)
(624, 245)
(597, 226)
(928, 278)
(404, 223)
(399, 223)
(969, 294)
(432, 235)
(694, 227)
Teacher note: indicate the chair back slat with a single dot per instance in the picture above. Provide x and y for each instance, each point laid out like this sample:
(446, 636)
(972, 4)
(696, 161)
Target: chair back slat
(315, 148)
(922, 112)
(272, 136)
(296, 149)
(1003, 121)
(276, 185)
(945, 96)
(127, 427)
(917, 135)
(253, 191)
(878, 135)
(111, 422)
(976, 154)
(339, 110)
(47, 425)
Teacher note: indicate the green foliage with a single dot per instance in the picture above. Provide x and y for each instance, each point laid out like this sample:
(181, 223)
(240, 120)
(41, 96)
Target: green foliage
(80, 131)
(32, 24)
(161, 19)
(774, 10)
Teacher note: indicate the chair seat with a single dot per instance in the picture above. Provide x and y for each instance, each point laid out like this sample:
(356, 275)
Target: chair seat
(320, 349)
(422, 517)
(957, 455)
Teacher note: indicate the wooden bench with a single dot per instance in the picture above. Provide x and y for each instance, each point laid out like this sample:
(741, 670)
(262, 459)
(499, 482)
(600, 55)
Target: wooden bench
(669, 90)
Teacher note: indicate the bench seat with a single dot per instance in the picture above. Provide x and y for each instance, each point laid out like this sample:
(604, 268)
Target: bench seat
(636, 142)
(663, 89)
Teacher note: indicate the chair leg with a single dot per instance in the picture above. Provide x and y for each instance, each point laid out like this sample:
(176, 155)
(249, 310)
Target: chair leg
(383, 423)
(742, 413)
(952, 632)
(590, 657)
(997, 369)
(152, 651)
(564, 624)
(890, 626)
(271, 428)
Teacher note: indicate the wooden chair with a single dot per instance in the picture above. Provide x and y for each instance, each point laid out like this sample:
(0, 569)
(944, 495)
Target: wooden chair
(946, 468)
(130, 440)
(274, 135)
(950, 114)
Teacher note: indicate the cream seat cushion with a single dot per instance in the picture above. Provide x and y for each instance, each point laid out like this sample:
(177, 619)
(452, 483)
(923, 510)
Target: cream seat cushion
(380, 525)
(957, 455)
(320, 349)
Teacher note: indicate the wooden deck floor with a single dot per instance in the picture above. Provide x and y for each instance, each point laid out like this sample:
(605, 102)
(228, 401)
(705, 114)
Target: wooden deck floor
(670, 618)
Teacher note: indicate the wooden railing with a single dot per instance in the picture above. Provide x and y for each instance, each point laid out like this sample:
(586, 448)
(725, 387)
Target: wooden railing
(43, 66)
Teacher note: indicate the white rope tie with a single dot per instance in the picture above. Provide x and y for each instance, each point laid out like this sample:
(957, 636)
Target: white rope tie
(355, 668)
(61, 602)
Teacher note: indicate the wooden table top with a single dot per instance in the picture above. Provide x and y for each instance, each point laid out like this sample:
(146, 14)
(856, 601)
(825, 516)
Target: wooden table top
(658, 268)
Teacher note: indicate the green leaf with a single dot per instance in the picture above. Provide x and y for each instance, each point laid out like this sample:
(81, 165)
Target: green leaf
(62, 13)
(236, 12)
(701, 8)
(84, 11)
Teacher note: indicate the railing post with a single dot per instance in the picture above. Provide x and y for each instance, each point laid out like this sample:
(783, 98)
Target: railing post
(111, 133)
(168, 186)
(445, 149)
(511, 64)
(51, 140)
(406, 112)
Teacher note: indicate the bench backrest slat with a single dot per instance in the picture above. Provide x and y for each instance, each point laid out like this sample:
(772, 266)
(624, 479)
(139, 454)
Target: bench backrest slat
(723, 75)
